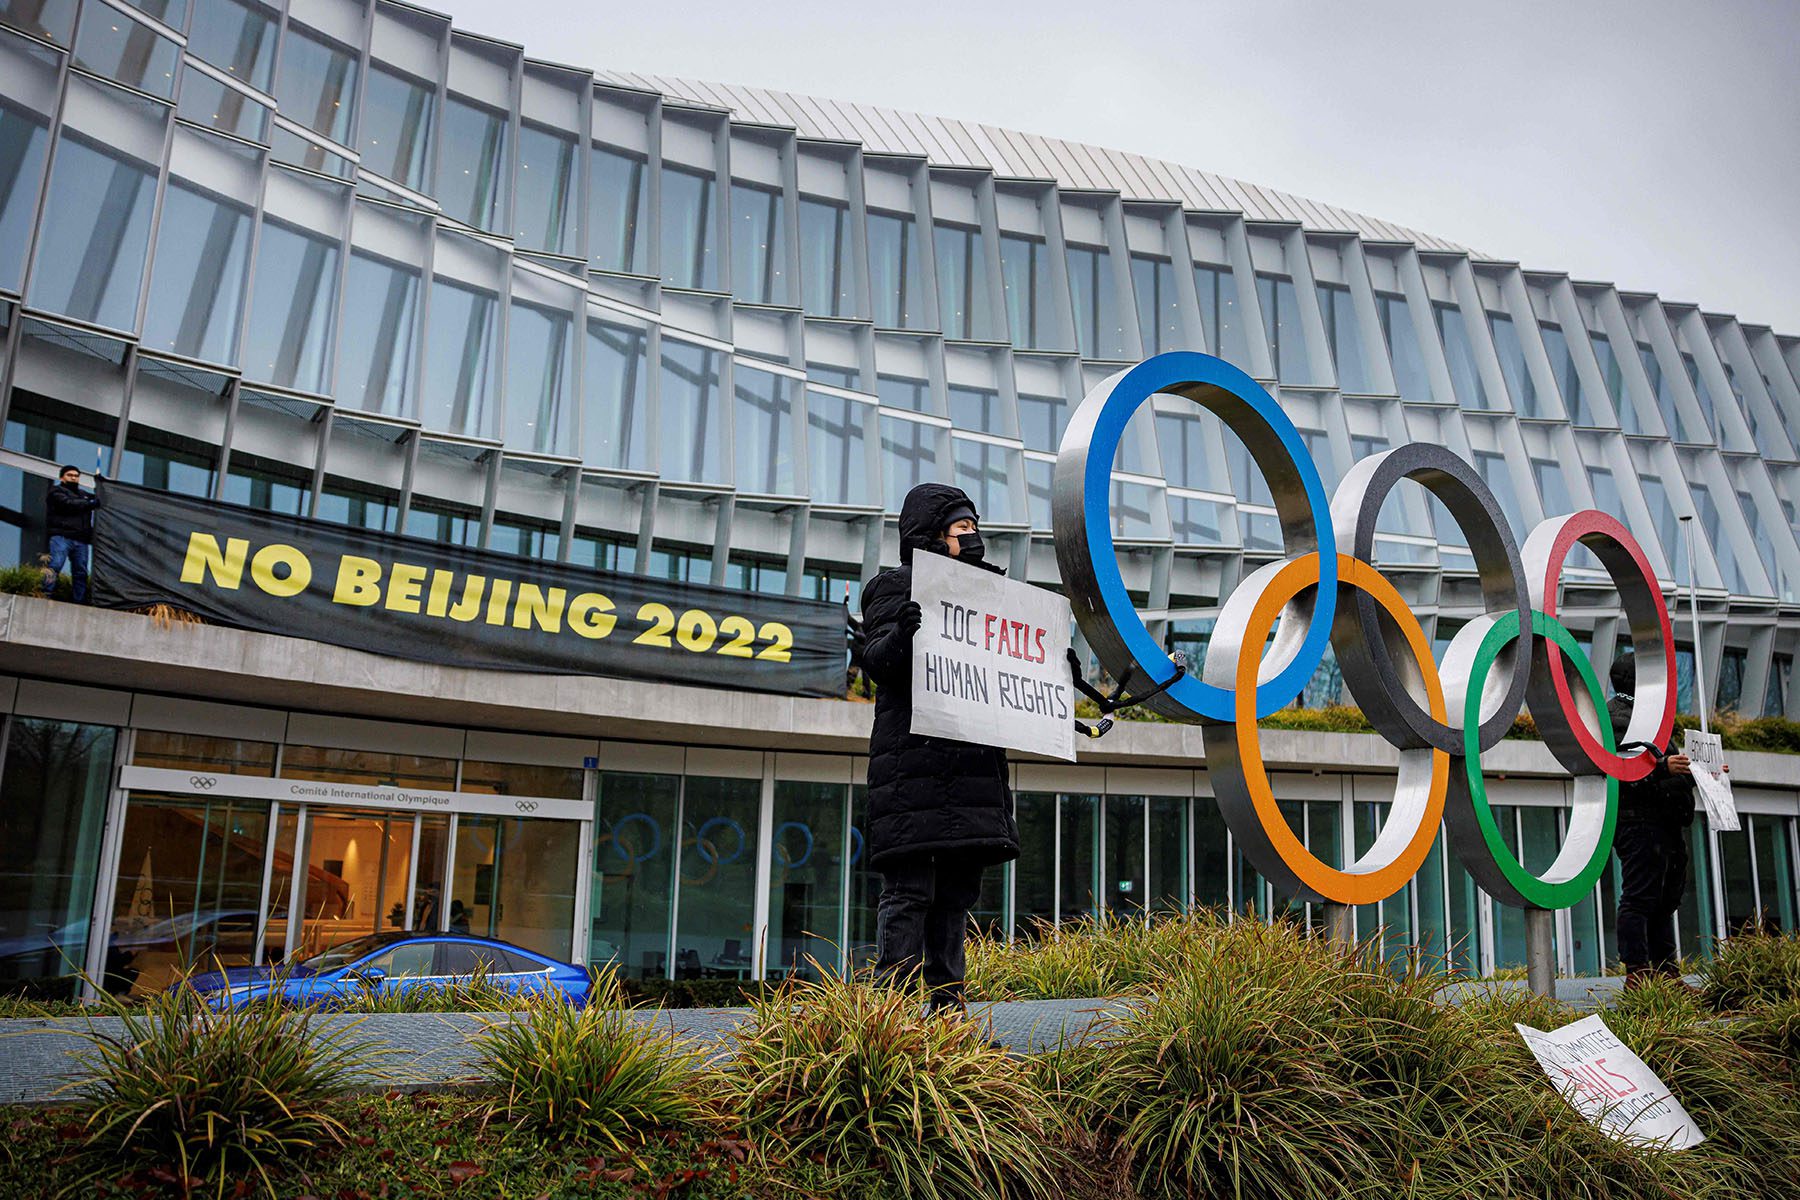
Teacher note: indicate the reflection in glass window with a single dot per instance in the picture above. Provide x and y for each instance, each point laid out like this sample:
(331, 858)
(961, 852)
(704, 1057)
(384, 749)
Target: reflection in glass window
(834, 375)
(691, 412)
(618, 209)
(1281, 324)
(1664, 393)
(167, 461)
(443, 523)
(1459, 356)
(1553, 491)
(1219, 315)
(539, 366)
(1403, 348)
(460, 360)
(316, 83)
(395, 138)
(1512, 364)
(1662, 511)
(95, 232)
(24, 141)
(197, 286)
(1562, 366)
(1138, 511)
(471, 176)
(718, 863)
(292, 301)
(211, 104)
(1708, 406)
(687, 226)
(1492, 468)
(266, 485)
(1342, 336)
(65, 433)
(827, 283)
(1718, 538)
(964, 309)
(117, 47)
(544, 207)
(615, 426)
(758, 244)
(896, 270)
(351, 502)
(52, 20)
(375, 357)
(1159, 312)
(634, 860)
(909, 457)
(976, 408)
(897, 391)
(1183, 438)
(984, 472)
(235, 36)
(837, 449)
(1039, 481)
(1609, 371)
(1197, 522)
(1031, 309)
(1099, 325)
(763, 430)
(523, 537)
(1042, 420)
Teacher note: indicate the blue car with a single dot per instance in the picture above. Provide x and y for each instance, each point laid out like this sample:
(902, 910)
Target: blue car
(395, 962)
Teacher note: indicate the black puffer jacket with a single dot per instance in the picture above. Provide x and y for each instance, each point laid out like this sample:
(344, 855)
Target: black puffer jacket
(1661, 797)
(926, 794)
(69, 512)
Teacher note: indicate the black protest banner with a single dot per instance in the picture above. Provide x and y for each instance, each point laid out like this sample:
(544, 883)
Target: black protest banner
(412, 598)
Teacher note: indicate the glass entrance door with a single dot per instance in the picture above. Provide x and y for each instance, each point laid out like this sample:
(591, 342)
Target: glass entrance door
(357, 868)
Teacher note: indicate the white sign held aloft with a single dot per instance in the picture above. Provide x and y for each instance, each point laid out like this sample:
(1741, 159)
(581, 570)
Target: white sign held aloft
(1610, 1086)
(990, 660)
(1706, 755)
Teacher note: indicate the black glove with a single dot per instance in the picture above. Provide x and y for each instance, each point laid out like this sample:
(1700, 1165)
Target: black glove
(910, 618)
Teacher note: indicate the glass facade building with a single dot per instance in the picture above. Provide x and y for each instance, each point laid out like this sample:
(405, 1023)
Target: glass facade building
(336, 258)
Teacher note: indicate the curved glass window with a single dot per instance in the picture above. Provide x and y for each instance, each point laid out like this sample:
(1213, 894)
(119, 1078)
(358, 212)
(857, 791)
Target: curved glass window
(837, 449)
(544, 211)
(691, 410)
(95, 234)
(687, 227)
(459, 360)
(395, 139)
(896, 270)
(236, 37)
(294, 297)
(764, 432)
(758, 244)
(197, 286)
(471, 182)
(828, 285)
(618, 209)
(316, 84)
(615, 429)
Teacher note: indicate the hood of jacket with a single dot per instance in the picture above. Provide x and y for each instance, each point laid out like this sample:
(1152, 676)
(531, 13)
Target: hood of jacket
(923, 513)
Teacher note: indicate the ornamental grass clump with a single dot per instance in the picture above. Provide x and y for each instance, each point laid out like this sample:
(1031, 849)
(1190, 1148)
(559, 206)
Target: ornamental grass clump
(856, 1078)
(602, 1073)
(1752, 968)
(208, 1097)
(475, 994)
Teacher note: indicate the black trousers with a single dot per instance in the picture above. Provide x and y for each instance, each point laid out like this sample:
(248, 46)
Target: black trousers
(1653, 863)
(921, 921)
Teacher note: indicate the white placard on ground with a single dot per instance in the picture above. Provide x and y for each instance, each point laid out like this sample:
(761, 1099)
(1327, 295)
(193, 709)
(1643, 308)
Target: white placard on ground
(1610, 1086)
(1707, 755)
(990, 660)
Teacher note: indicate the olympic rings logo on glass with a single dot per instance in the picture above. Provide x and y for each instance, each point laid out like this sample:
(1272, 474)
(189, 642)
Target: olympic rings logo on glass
(1327, 592)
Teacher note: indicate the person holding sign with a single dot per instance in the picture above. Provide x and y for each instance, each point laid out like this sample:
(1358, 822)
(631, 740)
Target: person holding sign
(1652, 844)
(940, 811)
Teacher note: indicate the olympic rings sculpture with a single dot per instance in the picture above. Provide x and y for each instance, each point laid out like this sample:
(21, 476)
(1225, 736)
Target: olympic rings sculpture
(1327, 592)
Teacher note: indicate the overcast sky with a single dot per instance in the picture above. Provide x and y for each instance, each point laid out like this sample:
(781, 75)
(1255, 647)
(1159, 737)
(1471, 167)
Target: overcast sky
(1651, 143)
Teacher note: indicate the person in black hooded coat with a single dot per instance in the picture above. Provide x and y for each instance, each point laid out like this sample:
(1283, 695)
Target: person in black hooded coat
(940, 811)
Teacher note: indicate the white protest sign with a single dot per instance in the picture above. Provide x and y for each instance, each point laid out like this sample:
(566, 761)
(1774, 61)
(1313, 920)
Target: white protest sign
(1611, 1086)
(990, 660)
(1707, 755)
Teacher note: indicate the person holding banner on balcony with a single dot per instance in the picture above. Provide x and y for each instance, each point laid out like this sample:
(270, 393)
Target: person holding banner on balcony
(940, 810)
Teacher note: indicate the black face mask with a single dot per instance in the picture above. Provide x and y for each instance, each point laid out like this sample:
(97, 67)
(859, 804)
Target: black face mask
(970, 546)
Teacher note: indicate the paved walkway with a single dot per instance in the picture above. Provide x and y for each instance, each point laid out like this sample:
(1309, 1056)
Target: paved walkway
(434, 1048)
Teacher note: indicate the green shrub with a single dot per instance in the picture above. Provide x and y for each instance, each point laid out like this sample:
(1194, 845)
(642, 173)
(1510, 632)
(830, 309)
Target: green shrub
(215, 1096)
(1752, 968)
(690, 993)
(1773, 1029)
(855, 1077)
(27, 579)
(594, 1074)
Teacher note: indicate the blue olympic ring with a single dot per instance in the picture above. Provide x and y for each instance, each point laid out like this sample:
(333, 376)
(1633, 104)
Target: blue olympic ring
(856, 844)
(704, 847)
(806, 831)
(655, 834)
(1169, 372)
